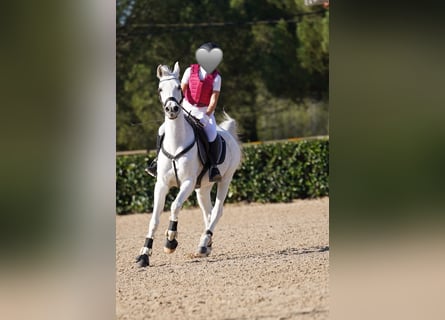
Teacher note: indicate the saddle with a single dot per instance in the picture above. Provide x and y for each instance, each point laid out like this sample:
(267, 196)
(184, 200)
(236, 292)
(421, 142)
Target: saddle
(204, 149)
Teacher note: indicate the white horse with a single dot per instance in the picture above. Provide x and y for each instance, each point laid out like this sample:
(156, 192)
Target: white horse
(179, 165)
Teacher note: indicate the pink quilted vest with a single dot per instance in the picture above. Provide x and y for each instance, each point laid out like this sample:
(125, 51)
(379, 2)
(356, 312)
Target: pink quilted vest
(199, 91)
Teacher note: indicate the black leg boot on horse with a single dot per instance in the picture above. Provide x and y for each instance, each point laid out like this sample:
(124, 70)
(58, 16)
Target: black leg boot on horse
(214, 153)
(153, 167)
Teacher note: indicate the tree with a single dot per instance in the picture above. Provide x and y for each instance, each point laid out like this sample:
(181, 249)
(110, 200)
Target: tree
(270, 51)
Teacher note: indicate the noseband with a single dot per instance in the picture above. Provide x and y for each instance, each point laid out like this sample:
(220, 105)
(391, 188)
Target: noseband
(174, 100)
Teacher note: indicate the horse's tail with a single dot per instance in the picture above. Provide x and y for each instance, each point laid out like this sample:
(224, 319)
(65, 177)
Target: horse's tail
(229, 124)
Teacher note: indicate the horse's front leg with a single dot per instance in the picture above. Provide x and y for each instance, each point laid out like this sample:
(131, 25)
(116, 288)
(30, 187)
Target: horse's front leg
(185, 190)
(205, 242)
(160, 193)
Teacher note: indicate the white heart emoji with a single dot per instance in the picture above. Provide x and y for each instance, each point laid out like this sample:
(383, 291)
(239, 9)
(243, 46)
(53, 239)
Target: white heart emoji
(209, 60)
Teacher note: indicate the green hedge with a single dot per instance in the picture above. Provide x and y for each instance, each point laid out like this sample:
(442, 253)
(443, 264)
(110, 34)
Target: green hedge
(272, 172)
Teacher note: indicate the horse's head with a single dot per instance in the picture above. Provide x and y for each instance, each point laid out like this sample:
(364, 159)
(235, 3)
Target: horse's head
(169, 89)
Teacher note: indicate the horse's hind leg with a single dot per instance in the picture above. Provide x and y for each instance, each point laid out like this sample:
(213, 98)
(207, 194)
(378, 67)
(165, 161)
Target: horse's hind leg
(184, 192)
(205, 203)
(221, 194)
(205, 243)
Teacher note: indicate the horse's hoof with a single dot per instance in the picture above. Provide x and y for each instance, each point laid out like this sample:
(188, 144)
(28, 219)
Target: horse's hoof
(169, 251)
(205, 245)
(142, 261)
(203, 252)
(170, 246)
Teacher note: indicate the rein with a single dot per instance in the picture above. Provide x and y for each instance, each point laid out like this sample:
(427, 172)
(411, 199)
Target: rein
(192, 117)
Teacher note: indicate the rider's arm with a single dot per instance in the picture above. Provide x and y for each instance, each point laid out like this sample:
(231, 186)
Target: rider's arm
(185, 81)
(213, 101)
(184, 87)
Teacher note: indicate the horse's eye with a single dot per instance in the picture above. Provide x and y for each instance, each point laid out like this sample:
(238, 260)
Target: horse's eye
(159, 89)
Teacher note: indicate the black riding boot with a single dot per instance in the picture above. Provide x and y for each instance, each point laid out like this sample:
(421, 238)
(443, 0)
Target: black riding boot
(152, 168)
(215, 150)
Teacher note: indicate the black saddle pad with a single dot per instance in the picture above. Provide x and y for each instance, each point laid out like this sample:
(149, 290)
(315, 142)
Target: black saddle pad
(203, 144)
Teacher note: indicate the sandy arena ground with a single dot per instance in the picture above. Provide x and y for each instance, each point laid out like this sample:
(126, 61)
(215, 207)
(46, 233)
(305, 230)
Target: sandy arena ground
(268, 262)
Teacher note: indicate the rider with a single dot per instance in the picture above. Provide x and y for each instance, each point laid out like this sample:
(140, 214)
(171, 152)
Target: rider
(201, 92)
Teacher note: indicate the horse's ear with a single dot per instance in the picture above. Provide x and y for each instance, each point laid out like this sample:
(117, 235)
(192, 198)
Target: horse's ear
(176, 69)
(159, 71)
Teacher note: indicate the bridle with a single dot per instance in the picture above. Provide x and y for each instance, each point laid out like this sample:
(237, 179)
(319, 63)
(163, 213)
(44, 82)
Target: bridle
(178, 103)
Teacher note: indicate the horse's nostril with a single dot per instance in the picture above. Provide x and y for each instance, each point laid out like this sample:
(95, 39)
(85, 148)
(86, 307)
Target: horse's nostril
(167, 109)
(176, 109)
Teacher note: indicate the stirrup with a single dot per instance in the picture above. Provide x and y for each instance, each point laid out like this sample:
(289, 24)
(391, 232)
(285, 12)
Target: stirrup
(152, 169)
(214, 175)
